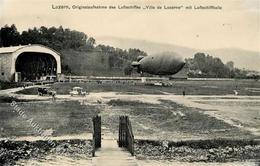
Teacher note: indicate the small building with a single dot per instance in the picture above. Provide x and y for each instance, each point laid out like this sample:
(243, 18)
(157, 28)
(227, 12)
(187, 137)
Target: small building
(28, 63)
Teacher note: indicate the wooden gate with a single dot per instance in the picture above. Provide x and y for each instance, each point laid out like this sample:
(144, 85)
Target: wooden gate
(125, 134)
(96, 133)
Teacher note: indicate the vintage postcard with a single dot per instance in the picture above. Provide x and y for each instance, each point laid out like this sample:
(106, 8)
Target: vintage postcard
(130, 82)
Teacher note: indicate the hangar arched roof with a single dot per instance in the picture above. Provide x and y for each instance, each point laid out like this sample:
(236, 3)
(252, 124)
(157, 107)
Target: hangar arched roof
(15, 51)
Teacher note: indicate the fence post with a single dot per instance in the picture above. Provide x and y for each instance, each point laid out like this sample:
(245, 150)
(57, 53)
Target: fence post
(131, 140)
(93, 139)
(124, 131)
(120, 132)
(126, 137)
(96, 133)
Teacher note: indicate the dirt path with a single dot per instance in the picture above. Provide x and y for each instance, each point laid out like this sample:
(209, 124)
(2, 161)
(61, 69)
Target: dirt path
(13, 90)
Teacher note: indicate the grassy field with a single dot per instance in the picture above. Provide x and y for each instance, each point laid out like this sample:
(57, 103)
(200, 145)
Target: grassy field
(63, 118)
(169, 121)
(243, 87)
(165, 120)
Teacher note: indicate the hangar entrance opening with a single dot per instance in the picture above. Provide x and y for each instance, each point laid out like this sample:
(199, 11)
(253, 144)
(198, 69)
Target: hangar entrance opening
(35, 66)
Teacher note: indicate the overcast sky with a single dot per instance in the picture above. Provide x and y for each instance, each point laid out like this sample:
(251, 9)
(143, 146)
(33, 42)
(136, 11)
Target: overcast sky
(236, 25)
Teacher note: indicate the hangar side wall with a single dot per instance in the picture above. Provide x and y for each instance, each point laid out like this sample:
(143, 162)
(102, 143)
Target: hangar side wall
(5, 67)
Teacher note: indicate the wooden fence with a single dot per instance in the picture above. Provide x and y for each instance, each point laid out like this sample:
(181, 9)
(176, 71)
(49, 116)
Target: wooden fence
(96, 133)
(126, 136)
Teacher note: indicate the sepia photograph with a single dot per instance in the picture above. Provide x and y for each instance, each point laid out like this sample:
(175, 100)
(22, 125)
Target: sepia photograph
(130, 83)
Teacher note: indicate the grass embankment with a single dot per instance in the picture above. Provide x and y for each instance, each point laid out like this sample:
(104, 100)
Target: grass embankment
(217, 150)
(8, 85)
(11, 151)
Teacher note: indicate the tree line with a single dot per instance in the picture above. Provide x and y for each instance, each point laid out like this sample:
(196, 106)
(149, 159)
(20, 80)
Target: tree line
(56, 38)
(63, 38)
(59, 38)
(202, 65)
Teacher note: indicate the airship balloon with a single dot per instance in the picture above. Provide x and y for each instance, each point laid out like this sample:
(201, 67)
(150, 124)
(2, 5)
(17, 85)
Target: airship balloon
(160, 64)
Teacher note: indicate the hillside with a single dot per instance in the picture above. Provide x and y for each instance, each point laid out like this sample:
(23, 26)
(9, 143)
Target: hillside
(88, 63)
(242, 58)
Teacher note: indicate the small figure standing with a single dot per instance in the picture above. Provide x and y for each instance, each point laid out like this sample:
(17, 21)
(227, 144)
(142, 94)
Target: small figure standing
(183, 92)
(53, 96)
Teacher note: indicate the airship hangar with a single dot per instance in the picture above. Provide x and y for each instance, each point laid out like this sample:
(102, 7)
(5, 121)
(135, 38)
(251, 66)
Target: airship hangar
(28, 62)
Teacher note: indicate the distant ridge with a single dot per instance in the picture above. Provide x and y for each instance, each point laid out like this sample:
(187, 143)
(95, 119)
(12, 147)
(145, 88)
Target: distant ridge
(242, 58)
